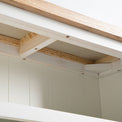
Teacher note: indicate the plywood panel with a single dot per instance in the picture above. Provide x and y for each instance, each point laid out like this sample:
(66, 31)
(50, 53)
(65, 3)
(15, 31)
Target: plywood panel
(18, 81)
(3, 78)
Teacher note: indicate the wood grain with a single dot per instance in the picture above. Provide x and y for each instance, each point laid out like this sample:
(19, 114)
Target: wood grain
(30, 41)
(107, 59)
(65, 55)
(33, 42)
(47, 51)
(63, 15)
(9, 40)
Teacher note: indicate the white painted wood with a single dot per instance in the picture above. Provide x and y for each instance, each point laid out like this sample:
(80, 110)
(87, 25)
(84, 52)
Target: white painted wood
(91, 69)
(58, 89)
(98, 68)
(29, 114)
(52, 61)
(113, 68)
(49, 86)
(12, 32)
(3, 78)
(111, 96)
(39, 85)
(8, 50)
(74, 92)
(51, 28)
(18, 81)
(38, 47)
(56, 62)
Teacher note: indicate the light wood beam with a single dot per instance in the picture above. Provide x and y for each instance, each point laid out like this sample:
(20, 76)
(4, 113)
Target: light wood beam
(107, 59)
(9, 40)
(66, 56)
(61, 14)
(47, 51)
(32, 43)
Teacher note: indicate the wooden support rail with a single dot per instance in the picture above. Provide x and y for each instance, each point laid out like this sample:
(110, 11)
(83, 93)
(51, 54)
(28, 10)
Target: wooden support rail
(26, 44)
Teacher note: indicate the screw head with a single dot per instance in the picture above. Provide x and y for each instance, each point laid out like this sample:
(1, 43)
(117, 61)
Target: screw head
(67, 36)
(24, 58)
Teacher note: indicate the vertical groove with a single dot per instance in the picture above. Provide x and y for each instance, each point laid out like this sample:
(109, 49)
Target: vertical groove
(29, 94)
(29, 86)
(100, 96)
(8, 80)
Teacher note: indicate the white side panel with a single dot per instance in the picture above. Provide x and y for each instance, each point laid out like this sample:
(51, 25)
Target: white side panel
(48, 86)
(65, 90)
(111, 96)
(92, 96)
(18, 81)
(75, 93)
(39, 85)
(3, 78)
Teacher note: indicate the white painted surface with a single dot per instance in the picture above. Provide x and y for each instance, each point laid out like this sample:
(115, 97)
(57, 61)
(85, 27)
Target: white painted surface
(39, 85)
(113, 69)
(104, 10)
(111, 96)
(18, 81)
(12, 32)
(74, 92)
(33, 114)
(38, 47)
(110, 86)
(31, 22)
(46, 86)
(3, 78)
(91, 69)
(76, 50)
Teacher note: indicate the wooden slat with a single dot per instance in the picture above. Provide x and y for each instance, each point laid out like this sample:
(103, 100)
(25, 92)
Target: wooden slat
(48, 51)
(64, 55)
(32, 43)
(58, 13)
(107, 59)
(9, 40)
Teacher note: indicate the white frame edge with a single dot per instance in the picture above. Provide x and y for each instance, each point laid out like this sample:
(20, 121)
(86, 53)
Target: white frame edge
(34, 114)
(44, 26)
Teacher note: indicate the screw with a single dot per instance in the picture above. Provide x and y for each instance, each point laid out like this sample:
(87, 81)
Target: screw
(67, 36)
(24, 58)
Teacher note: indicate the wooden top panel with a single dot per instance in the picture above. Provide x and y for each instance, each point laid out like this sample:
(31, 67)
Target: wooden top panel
(63, 15)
